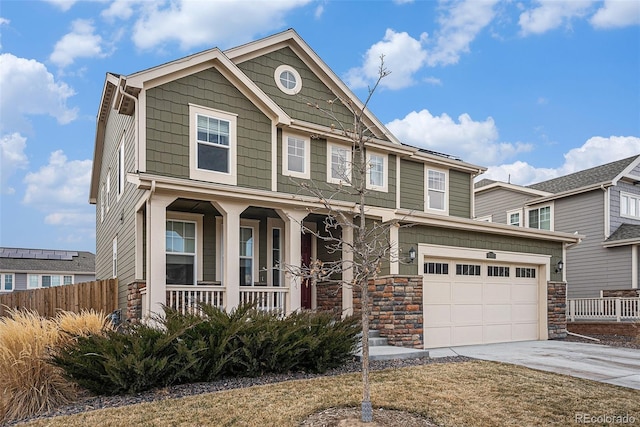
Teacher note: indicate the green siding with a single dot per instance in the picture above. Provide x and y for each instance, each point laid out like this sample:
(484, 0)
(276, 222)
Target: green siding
(412, 185)
(459, 194)
(415, 235)
(261, 70)
(168, 127)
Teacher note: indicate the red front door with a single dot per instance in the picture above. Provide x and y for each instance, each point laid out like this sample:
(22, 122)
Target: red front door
(305, 253)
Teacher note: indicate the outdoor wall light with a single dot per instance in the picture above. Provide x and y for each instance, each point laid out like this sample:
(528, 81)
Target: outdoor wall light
(412, 254)
(559, 266)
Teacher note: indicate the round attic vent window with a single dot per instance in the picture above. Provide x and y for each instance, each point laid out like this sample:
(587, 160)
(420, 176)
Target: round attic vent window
(288, 80)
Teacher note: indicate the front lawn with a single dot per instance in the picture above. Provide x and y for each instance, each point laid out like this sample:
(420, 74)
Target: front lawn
(473, 393)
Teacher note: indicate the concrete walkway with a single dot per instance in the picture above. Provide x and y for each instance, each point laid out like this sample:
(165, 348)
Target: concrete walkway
(612, 365)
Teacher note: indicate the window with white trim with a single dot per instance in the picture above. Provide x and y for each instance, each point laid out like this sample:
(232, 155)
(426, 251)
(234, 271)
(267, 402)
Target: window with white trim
(121, 168)
(67, 280)
(35, 281)
(288, 79)
(246, 256)
(181, 252)
(436, 190)
(296, 160)
(377, 171)
(212, 145)
(629, 205)
(7, 281)
(540, 218)
(339, 164)
(513, 218)
(114, 257)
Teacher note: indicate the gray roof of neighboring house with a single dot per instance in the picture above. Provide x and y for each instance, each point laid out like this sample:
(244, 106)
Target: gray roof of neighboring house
(45, 260)
(584, 178)
(625, 232)
(484, 182)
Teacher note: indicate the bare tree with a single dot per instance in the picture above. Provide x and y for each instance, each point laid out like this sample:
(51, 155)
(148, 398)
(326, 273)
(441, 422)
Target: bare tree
(370, 244)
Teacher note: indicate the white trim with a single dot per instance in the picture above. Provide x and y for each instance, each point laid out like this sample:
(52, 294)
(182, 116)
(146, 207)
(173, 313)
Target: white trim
(274, 223)
(348, 164)
(520, 219)
(444, 211)
(108, 193)
(254, 224)
(114, 257)
(385, 171)
(306, 174)
(102, 201)
(121, 169)
(636, 198)
(3, 282)
(485, 218)
(298, 80)
(205, 174)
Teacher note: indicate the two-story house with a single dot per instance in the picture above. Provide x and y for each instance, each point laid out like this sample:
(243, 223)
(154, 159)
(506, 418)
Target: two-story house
(196, 180)
(601, 203)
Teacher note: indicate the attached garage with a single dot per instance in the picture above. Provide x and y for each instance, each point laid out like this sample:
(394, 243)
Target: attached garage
(473, 296)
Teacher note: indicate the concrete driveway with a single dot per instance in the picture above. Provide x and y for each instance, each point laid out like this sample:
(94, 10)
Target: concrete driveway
(612, 365)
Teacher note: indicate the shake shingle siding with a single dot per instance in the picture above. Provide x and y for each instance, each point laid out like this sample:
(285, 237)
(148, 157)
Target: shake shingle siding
(460, 194)
(412, 185)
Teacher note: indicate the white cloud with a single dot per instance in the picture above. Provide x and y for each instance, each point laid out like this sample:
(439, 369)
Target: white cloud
(403, 56)
(596, 151)
(12, 158)
(81, 42)
(616, 14)
(120, 9)
(475, 142)
(29, 89)
(61, 189)
(193, 22)
(3, 21)
(63, 5)
(403, 1)
(459, 26)
(551, 14)
(433, 81)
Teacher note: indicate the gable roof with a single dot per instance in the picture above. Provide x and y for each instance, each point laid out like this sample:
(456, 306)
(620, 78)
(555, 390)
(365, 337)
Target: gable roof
(607, 173)
(46, 261)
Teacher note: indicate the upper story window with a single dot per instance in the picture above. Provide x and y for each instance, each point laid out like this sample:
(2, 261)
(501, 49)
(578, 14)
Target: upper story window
(212, 147)
(513, 218)
(629, 205)
(377, 171)
(339, 164)
(540, 218)
(288, 79)
(296, 157)
(436, 190)
(121, 168)
(7, 282)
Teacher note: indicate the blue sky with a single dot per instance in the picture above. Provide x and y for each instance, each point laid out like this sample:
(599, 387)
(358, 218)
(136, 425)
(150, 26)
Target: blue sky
(532, 90)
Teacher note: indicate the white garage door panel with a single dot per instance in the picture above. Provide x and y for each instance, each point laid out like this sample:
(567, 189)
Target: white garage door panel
(466, 310)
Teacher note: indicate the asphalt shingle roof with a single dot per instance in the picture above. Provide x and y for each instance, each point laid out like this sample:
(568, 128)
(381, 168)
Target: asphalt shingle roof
(20, 259)
(584, 178)
(625, 232)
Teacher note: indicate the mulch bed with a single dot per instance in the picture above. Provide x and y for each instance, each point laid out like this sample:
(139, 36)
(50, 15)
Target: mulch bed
(612, 340)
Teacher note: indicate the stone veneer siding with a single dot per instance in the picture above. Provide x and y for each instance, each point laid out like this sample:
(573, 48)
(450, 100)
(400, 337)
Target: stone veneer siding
(396, 309)
(329, 297)
(557, 309)
(134, 301)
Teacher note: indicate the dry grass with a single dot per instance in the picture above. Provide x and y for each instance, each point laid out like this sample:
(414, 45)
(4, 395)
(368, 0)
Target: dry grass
(474, 393)
(29, 384)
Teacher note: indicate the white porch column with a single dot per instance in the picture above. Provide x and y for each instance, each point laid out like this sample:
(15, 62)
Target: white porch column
(394, 260)
(347, 273)
(156, 254)
(231, 250)
(293, 259)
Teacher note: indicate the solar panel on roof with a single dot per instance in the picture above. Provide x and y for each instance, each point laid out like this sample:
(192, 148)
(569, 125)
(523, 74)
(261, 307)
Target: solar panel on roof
(37, 254)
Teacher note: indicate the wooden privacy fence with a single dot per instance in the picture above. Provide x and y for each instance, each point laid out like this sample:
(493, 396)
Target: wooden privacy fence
(101, 295)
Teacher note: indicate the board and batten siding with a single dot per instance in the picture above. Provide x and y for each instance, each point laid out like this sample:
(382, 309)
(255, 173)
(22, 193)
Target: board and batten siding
(119, 218)
(261, 70)
(417, 234)
(498, 202)
(168, 136)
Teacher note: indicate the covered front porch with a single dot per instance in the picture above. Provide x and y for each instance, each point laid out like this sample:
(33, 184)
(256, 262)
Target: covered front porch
(227, 252)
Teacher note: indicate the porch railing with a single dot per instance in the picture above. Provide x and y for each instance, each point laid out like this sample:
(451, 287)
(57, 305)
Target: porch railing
(617, 309)
(186, 298)
(265, 298)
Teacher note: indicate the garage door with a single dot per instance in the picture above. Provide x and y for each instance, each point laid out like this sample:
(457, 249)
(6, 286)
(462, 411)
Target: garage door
(474, 302)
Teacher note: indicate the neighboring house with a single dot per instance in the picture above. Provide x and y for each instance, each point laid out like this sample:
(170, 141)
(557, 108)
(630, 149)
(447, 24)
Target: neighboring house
(601, 203)
(22, 269)
(195, 180)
